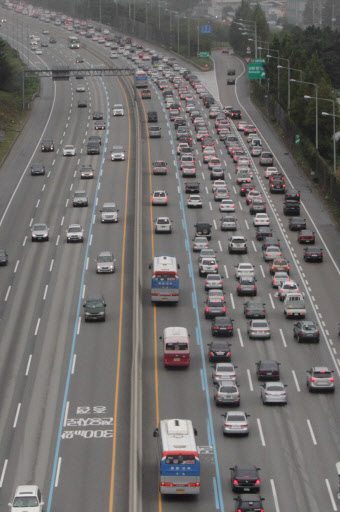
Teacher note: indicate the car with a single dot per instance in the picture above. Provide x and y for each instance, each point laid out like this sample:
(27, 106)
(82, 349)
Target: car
(203, 229)
(146, 94)
(100, 125)
(268, 370)
(254, 309)
(109, 213)
(155, 132)
(3, 258)
(227, 205)
(214, 306)
(234, 113)
(27, 498)
(163, 225)
(189, 170)
(117, 109)
(227, 393)
(270, 241)
(231, 72)
(306, 330)
(231, 81)
(159, 198)
(320, 378)
(292, 194)
(225, 50)
(277, 186)
(37, 169)
(74, 233)
(222, 325)
(213, 281)
(214, 162)
(257, 206)
(271, 252)
(297, 223)
(279, 265)
(105, 262)
(229, 223)
(38, 51)
(270, 171)
(207, 265)
(237, 244)
(248, 503)
(313, 254)
(266, 158)
(223, 371)
(259, 329)
(200, 242)
(80, 88)
(86, 172)
(243, 177)
(246, 285)
(244, 269)
(291, 207)
(217, 173)
(113, 55)
(117, 153)
(219, 352)
(274, 393)
(245, 187)
(79, 76)
(80, 198)
(69, 150)
(306, 236)
(194, 201)
(159, 167)
(285, 287)
(279, 278)
(47, 145)
(235, 423)
(261, 219)
(262, 232)
(97, 116)
(52, 40)
(94, 309)
(245, 478)
(221, 193)
(250, 128)
(82, 104)
(251, 195)
(192, 187)
(39, 232)
(78, 58)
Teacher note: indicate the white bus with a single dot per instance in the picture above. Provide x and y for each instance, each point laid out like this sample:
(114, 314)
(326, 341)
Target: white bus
(164, 281)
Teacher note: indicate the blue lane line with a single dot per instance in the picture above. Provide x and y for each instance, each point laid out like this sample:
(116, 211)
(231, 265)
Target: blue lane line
(202, 379)
(208, 428)
(217, 504)
(200, 338)
(186, 243)
(197, 339)
(183, 225)
(67, 385)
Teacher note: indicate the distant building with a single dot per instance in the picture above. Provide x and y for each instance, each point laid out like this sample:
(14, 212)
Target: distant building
(295, 9)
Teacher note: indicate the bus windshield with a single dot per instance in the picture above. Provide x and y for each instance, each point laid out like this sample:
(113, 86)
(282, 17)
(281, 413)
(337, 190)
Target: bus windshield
(176, 346)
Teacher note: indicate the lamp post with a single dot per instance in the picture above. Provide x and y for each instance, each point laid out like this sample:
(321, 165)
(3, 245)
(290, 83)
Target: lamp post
(316, 108)
(177, 33)
(188, 37)
(289, 70)
(278, 69)
(334, 141)
(246, 22)
(159, 16)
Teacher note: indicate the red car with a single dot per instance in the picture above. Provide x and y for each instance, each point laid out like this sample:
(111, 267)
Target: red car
(224, 50)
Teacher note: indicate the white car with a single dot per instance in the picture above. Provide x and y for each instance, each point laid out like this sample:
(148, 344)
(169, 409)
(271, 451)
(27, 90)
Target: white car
(261, 219)
(117, 110)
(159, 198)
(244, 269)
(285, 287)
(274, 393)
(227, 205)
(194, 201)
(38, 51)
(259, 329)
(27, 498)
(224, 371)
(163, 225)
(269, 171)
(219, 183)
(235, 423)
(80, 88)
(113, 55)
(69, 150)
(117, 153)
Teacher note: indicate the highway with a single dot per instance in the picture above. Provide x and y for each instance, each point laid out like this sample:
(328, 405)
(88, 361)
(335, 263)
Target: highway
(64, 382)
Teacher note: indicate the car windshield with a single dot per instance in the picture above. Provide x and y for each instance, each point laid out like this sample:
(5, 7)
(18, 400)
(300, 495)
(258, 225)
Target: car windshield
(274, 387)
(39, 227)
(94, 304)
(102, 259)
(75, 229)
(26, 501)
(235, 417)
(109, 209)
(228, 389)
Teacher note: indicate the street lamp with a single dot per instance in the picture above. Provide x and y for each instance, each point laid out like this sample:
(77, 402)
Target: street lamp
(289, 70)
(278, 69)
(334, 141)
(245, 22)
(316, 108)
(188, 18)
(159, 16)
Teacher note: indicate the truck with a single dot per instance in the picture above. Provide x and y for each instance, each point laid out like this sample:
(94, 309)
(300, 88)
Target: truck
(294, 306)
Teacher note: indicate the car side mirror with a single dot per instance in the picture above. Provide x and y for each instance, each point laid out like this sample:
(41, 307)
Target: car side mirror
(84, 305)
(150, 266)
(155, 432)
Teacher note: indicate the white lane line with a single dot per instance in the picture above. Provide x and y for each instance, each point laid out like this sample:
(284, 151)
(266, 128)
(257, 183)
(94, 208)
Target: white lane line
(240, 337)
(87, 263)
(251, 387)
(232, 301)
(56, 482)
(262, 271)
(71, 187)
(296, 381)
(42, 190)
(3, 472)
(79, 322)
(254, 246)
(66, 204)
(16, 266)
(17, 416)
(7, 293)
(220, 245)
(45, 292)
(57, 242)
(276, 501)
(226, 271)
(261, 431)
(24, 242)
(66, 413)
(62, 221)
(28, 365)
(73, 364)
(271, 300)
(31, 222)
(331, 494)
(51, 265)
(210, 205)
(215, 225)
(84, 288)
(206, 189)
(91, 237)
(37, 327)
(283, 339)
(311, 432)
(246, 223)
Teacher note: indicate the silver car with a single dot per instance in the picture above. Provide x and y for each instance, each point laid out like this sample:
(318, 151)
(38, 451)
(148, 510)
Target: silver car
(86, 172)
(200, 242)
(259, 329)
(39, 233)
(223, 371)
(159, 198)
(74, 233)
(228, 223)
(117, 153)
(105, 262)
(271, 253)
(235, 422)
(221, 193)
(207, 266)
(213, 281)
(163, 225)
(80, 198)
(109, 212)
(227, 205)
(320, 378)
(279, 277)
(237, 244)
(227, 393)
(274, 393)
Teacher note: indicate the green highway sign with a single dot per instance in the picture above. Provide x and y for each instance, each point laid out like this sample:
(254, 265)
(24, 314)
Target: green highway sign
(256, 71)
(297, 140)
(204, 54)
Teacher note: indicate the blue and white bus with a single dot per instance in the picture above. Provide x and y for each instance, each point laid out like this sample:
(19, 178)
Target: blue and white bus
(164, 281)
(178, 457)
(141, 79)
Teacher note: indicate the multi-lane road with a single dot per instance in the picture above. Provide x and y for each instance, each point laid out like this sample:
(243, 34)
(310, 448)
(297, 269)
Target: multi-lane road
(65, 402)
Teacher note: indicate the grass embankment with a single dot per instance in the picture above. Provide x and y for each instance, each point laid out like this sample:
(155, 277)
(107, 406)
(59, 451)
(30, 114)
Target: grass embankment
(203, 62)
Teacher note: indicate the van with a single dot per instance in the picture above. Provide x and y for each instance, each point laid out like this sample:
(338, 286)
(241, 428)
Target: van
(152, 116)
(109, 212)
(176, 346)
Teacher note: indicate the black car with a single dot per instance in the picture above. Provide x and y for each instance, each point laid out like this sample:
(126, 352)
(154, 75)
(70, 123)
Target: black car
(306, 330)
(246, 285)
(268, 370)
(234, 113)
(292, 194)
(291, 207)
(262, 232)
(231, 72)
(254, 309)
(179, 121)
(245, 479)
(314, 254)
(192, 187)
(248, 503)
(82, 104)
(297, 223)
(93, 148)
(47, 145)
(52, 40)
(203, 229)
(95, 138)
(222, 326)
(79, 76)
(277, 186)
(37, 169)
(97, 116)
(3, 257)
(94, 309)
(219, 352)
(152, 116)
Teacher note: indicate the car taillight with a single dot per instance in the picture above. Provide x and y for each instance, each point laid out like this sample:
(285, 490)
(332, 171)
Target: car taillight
(166, 199)
(229, 327)
(239, 287)
(313, 379)
(331, 379)
(255, 287)
(224, 309)
(235, 482)
(207, 309)
(257, 482)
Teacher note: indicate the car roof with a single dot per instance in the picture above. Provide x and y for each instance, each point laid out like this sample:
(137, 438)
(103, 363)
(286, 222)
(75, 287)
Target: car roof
(28, 490)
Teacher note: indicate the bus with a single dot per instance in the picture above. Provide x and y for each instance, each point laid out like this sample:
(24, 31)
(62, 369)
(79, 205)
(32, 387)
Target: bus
(141, 79)
(73, 42)
(164, 281)
(179, 464)
(176, 346)
(155, 61)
